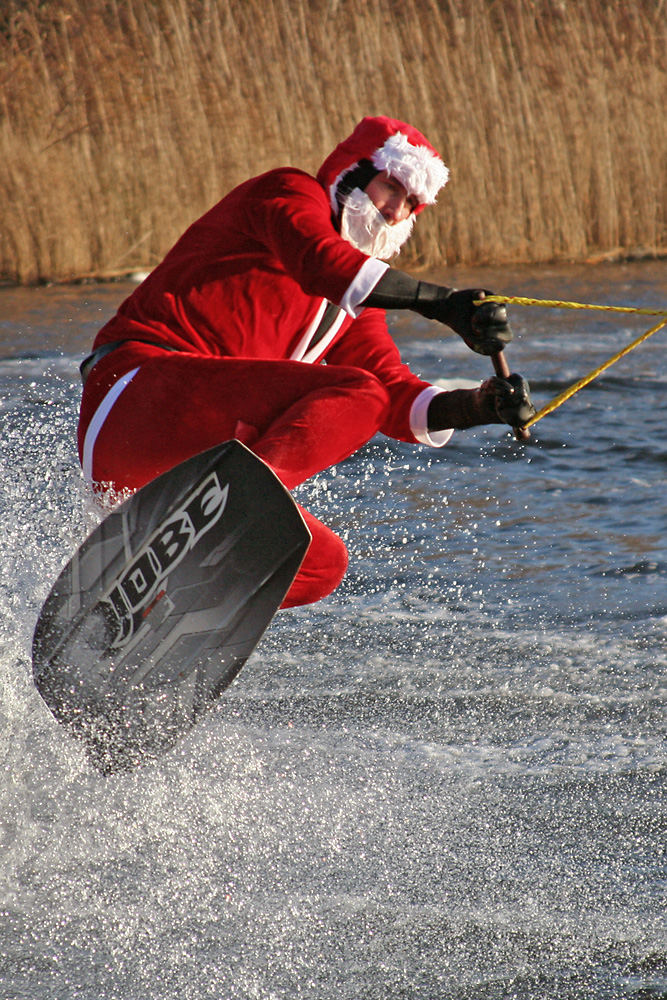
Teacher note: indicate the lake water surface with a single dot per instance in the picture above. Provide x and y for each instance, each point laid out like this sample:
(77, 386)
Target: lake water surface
(446, 781)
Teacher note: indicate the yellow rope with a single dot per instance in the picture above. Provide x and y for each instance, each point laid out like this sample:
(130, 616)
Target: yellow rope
(563, 396)
(519, 300)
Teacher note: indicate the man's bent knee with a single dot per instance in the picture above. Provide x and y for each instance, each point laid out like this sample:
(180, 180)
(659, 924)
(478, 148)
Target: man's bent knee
(369, 391)
(323, 567)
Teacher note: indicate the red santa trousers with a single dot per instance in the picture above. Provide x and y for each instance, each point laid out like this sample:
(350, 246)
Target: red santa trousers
(298, 418)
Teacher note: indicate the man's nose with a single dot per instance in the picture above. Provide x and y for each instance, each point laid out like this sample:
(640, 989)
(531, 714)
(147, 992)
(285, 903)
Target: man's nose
(396, 210)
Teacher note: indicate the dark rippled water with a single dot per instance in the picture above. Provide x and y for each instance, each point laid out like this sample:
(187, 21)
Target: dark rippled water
(445, 781)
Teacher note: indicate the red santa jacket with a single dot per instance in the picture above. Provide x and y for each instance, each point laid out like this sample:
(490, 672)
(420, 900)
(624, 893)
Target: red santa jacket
(252, 278)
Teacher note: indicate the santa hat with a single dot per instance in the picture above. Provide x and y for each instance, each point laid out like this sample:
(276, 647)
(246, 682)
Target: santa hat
(389, 145)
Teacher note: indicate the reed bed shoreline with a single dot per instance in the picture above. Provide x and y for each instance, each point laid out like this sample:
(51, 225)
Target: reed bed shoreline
(123, 120)
(436, 268)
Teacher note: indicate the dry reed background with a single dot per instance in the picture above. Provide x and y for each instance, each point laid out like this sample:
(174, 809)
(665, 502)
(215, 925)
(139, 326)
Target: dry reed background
(122, 120)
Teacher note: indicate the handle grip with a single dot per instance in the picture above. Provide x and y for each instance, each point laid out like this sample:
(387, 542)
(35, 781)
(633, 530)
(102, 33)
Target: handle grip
(501, 369)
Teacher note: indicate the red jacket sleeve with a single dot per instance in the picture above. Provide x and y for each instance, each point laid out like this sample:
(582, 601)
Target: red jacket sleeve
(291, 216)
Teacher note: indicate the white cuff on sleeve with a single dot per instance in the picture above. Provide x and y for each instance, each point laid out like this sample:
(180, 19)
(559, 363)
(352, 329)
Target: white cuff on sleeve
(362, 285)
(419, 419)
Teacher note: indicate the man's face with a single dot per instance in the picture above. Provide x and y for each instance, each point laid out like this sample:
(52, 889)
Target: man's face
(379, 219)
(390, 198)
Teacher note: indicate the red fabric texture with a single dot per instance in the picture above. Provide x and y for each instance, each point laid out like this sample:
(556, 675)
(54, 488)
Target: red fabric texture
(298, 418)
(247, 278)
(235, 296)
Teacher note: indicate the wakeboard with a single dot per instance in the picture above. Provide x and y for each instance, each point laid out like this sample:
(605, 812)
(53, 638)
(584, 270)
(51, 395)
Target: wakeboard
(163, 603)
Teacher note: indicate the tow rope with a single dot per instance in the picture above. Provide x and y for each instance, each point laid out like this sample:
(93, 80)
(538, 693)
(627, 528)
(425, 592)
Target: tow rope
(520, 300)
(558, 400)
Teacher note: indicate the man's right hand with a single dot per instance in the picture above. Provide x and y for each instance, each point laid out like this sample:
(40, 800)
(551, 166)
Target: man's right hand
(484, 328)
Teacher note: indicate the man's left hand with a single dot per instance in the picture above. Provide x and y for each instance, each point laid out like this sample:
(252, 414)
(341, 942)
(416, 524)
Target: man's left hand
(512, 399)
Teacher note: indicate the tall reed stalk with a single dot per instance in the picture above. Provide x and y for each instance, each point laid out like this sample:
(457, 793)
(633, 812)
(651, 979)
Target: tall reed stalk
(122, 120)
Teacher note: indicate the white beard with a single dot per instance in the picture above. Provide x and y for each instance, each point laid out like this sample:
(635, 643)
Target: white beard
(363, 226)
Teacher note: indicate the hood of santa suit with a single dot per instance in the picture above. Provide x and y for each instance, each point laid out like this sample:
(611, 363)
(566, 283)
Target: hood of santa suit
(389, 145)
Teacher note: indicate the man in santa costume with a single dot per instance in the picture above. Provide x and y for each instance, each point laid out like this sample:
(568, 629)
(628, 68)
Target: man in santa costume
(225, 338)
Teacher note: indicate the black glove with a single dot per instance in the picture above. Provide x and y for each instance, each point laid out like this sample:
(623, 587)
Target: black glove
(484, 328)
(512, 400)
(497, 401)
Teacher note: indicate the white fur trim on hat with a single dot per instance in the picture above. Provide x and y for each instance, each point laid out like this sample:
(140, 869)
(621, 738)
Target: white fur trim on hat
(421, 172)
